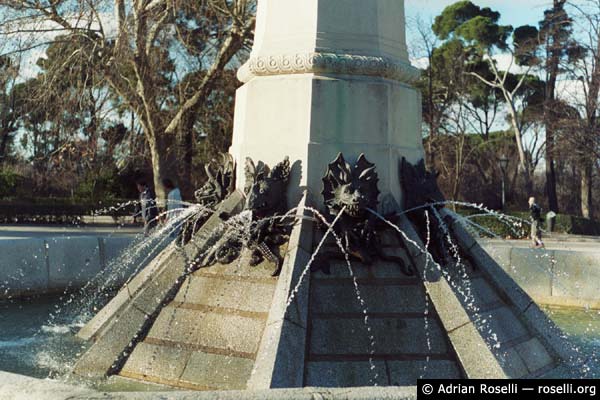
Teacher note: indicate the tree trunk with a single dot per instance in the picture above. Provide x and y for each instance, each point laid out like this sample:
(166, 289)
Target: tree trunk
(554, 48)
(586, 190)
(551, 181)
(159, 166)
(185, 153)
(4, 146)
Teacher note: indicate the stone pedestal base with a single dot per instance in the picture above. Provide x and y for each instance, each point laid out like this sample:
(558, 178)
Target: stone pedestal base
(311, 118)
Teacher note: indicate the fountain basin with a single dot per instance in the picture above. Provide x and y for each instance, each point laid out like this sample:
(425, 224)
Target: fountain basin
(562, 275)
(21, 387)
(37, 266)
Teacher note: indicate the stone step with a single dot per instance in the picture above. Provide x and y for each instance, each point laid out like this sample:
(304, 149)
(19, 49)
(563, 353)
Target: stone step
(218, 371)
(334, 296)
(500, 328)
(529, 358)
(382, 372)
(225, 292)
(379, 270)
(214, 329)
(393, 336)
(345, 374)
(156, 363)
(477, 295)
(182, 367)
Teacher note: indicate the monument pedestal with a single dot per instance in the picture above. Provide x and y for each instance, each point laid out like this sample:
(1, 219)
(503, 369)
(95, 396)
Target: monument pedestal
(328, 76)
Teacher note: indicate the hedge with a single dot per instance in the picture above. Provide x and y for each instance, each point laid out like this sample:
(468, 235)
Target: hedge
(516, 224)
(57, 210)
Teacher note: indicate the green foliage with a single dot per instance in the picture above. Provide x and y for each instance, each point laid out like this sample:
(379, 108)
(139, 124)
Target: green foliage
(103, 185)
(9, 182)
(56, 210)
(526, 42)
(473, 24)
(457, 14)
(516, 226)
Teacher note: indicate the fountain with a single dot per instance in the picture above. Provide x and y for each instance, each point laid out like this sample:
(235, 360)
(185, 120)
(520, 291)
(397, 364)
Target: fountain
(321, 254)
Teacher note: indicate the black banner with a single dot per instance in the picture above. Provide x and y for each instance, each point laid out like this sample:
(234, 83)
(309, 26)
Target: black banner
(509, 389)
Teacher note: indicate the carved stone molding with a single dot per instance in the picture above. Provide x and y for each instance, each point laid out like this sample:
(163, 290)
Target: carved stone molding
(329, 63)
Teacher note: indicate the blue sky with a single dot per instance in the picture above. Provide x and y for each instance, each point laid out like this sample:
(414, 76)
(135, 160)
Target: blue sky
(514, 12)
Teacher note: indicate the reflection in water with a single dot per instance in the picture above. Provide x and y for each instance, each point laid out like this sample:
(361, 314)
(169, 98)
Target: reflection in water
(583, 328)
(29, 346)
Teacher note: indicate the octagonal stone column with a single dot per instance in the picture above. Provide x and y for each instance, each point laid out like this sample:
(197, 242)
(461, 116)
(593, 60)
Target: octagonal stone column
(328, 76)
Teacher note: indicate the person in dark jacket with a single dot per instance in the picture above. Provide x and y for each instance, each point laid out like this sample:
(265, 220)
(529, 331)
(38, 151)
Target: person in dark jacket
(536, 219)
(148, 208)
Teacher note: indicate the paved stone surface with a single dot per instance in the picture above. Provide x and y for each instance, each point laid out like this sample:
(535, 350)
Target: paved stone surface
(19, 387)
(220, 331)
(156, 290)
(500, 254)
(215, 320)
(341, 297)
(339, 269)
(484, 295)
(280, 359)
(403, 373)
(153, 361)
(391, 335)
(512, 363)
(346, 374)
(218, 371)
(447, 305)
(532, 319)
(500, 326)
(99, 358)
(473, 353)
(222, 292)
(501, 280)
(569, 243)
(534, 355)
(476, 359)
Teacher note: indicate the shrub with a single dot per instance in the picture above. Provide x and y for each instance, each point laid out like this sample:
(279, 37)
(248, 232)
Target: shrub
(516, 224)
(9, 182)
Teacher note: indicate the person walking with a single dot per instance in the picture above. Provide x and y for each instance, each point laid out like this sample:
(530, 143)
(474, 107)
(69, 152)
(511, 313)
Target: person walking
(174, 200)
(148, 208)
(535, 218)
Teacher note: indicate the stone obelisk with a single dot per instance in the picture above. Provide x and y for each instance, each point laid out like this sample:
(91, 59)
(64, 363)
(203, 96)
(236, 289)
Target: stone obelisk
(328, 76)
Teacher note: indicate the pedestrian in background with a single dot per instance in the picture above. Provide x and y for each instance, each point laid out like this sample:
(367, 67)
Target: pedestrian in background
(148, 209)
(174, 200)
(536, 219)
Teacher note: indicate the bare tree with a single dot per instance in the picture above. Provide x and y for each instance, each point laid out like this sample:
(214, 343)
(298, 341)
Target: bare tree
(141, 48)
(585, 85)
(514, 106)
(8, 104)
